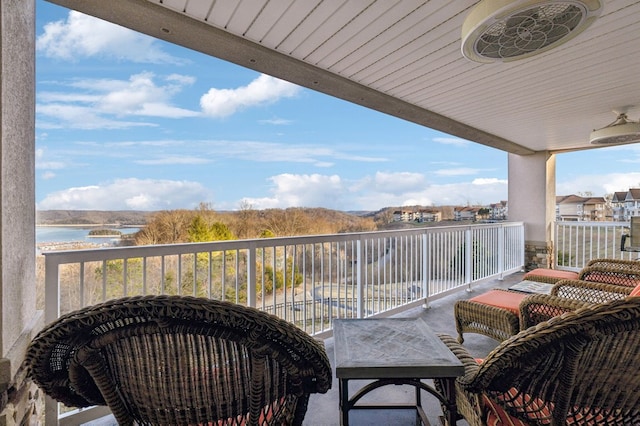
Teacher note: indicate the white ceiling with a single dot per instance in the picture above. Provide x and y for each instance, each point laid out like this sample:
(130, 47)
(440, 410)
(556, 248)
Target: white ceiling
(403, 57)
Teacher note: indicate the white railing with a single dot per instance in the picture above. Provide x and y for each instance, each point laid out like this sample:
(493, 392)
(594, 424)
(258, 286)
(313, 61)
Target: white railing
(578, 242)
(316, 278)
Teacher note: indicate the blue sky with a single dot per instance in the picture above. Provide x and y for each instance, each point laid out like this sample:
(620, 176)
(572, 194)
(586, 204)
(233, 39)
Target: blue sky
(127, 122)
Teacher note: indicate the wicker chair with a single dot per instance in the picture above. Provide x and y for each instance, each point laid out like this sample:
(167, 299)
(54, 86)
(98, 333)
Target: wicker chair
(579, 368)
(568, 296)
(180, 360)
(552, 276)
(496, 313)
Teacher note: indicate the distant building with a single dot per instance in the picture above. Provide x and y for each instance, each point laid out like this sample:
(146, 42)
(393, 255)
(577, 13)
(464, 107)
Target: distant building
(498, 211)
(577, 208)
(617, 206)
(417, 215)
(466, 213)
(632, 203)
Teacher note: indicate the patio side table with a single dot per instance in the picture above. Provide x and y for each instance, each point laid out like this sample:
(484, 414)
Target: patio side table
(393, 351)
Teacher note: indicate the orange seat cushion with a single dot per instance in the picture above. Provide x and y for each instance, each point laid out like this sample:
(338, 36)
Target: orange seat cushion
(552, 273)
(501, 299)
(635, 292)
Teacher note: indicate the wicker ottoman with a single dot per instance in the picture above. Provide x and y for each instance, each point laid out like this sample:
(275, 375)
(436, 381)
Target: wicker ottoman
(549, 276)
(493, 314)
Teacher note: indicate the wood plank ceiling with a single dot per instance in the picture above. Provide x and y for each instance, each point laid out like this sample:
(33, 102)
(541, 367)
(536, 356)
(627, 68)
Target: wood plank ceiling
(403, 57)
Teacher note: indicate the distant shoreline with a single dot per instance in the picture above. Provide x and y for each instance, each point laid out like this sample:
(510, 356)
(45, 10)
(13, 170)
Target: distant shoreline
(88, 225)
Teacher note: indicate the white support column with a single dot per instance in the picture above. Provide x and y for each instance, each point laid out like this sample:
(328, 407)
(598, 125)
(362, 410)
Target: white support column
(18, 314)
(532, 200)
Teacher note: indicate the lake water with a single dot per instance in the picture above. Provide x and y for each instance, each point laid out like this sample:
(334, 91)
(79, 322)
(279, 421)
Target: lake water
(56, 234)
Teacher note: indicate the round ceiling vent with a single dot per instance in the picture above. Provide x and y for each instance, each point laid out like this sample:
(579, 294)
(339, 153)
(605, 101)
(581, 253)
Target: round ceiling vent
(620, 131)
(507, 30)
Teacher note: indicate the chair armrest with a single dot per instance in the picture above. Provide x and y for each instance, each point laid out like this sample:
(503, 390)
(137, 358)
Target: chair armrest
(618, 274)
(537, 308)
(632, 265)
(470, 364)
(588, 291)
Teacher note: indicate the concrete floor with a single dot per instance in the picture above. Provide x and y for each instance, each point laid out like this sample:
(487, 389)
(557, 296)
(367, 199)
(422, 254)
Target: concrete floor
(324, 410)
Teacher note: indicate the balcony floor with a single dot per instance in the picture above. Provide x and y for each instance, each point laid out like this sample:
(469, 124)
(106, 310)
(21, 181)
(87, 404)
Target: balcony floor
(323, 409)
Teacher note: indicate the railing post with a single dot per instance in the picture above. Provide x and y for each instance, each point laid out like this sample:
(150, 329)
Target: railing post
(360, 272)
(51, 290)
(425, 270)
(51, 313)
(501, 232)
(251, 275)
(468, 264)
(523, 254)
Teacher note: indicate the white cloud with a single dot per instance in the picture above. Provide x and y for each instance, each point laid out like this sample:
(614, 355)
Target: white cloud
(599, 185)
(50, 165)
(142, 96)
(261, 91)
(44, 164)
(81, 35)
(451, 141)
(459, 171)
(276, 121)
(100, 103)
(128, 194)
(489, 181)
(58, 116)
(319, 156)
(448, 194)
(398, 182)
(375, 192)
(291, 190)
(174, 159)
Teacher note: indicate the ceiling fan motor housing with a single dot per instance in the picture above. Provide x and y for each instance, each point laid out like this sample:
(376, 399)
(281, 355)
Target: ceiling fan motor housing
(621, 131)
(508, 30)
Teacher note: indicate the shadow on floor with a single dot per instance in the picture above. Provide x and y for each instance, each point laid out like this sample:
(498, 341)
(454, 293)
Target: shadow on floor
(324, 410)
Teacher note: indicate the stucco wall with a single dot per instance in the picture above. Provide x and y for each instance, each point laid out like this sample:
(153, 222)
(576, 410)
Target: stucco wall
(17, 208)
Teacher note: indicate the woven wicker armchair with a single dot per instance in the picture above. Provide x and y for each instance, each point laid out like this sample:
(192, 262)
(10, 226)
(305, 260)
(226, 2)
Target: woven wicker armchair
(182, 361)
(579, 368)
(502, 320)
(612, 271)
(568, 296)
(615, 263)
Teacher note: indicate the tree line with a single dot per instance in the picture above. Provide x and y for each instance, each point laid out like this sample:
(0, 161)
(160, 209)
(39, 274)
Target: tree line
(205, 224)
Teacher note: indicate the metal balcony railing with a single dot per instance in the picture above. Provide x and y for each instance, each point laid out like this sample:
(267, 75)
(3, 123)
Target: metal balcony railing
(307, 280)
(576, 243)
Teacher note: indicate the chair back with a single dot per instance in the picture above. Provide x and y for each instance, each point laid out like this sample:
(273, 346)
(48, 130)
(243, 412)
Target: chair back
(579, 368)
(619, 274)
(180, 360)
(633, 235)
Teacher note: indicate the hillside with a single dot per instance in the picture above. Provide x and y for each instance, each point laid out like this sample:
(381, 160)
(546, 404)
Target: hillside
(348, 220)
(91, 217)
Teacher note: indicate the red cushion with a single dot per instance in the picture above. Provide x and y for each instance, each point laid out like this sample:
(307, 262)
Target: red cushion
(540, 414)
(551, 273)
(635, 291)
(501, 299)
(496, 416)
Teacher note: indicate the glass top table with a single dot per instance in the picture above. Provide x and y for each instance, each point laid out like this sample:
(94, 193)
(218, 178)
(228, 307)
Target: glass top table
(393, 351)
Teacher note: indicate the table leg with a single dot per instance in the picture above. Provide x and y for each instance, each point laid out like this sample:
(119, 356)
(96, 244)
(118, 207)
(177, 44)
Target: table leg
(343, 389)
(449, 389)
